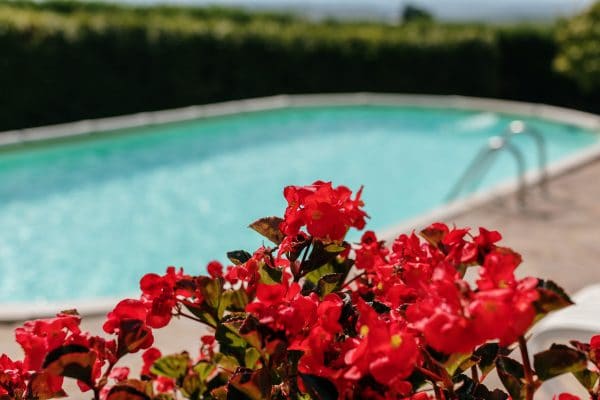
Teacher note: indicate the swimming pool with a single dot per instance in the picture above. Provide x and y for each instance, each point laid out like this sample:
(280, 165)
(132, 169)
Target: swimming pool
(86, 219)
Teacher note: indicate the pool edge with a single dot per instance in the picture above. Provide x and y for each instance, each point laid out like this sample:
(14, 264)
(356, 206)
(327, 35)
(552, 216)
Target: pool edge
(102, 125)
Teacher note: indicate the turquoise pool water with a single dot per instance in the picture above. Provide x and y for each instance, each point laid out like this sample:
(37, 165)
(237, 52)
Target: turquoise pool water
(86, 219)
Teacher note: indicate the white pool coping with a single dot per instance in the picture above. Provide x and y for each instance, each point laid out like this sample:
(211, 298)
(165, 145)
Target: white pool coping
(19, 312)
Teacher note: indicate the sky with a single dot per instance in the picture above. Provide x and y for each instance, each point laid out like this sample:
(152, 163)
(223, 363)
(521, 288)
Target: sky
(488, 10)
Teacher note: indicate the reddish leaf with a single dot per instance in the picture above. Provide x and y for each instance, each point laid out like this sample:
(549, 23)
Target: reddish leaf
(552, 298)
(269, 228)
(133, 389)
(73, 361)
(44, 385)
(255, 385)
(511, 374)
(133, 336)
(319, 388)
(558, 360)
(219, 393)
(434, 234)
(238, 257)
(126, 392)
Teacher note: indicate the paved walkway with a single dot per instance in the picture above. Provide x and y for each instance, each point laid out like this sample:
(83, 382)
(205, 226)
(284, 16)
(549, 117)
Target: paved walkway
(558, 236)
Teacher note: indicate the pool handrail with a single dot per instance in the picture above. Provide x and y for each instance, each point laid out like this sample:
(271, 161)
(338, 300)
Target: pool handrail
(518, 127)
(476, 169)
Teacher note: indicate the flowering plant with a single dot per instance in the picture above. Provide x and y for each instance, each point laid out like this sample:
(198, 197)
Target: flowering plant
(315, 317)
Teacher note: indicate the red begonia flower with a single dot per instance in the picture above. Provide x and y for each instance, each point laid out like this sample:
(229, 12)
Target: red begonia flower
(566, 396)
(215, 269)
(327, 212)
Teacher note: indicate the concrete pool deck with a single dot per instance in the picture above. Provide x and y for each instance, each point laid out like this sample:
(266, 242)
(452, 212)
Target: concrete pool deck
(557, 235)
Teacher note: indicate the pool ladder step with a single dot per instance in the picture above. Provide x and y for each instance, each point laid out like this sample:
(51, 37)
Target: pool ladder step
(477, 169)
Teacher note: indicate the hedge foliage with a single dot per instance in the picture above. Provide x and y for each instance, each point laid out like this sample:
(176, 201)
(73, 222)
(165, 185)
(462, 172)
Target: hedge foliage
(64, 61)
(579, 56)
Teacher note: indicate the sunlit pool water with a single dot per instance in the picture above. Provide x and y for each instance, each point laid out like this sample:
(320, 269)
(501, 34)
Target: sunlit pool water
(86, 219)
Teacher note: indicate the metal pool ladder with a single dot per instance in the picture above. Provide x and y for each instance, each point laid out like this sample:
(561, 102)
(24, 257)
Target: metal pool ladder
(482, 162)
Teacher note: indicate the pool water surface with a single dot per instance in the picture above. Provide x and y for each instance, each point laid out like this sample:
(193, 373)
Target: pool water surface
(86, 219)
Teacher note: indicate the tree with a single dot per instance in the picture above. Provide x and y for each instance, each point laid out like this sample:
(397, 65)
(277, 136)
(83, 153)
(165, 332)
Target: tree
(411, 13)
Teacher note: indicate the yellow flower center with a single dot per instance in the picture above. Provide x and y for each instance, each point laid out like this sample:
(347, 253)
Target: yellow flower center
(396, 341)
(364, 330)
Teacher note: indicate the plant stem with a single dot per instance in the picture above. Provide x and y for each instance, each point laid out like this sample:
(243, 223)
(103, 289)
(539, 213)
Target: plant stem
(527, 368)
(181, 313)
(304, 256)
(353, 279)
(431, 375)
(475, 374)
(438, 392)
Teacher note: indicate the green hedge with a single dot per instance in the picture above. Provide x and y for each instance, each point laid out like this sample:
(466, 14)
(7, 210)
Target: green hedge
(65, 61)
(579, 56)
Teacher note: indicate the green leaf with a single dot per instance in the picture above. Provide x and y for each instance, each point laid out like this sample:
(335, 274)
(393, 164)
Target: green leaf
(558, 360)
(73, 361)
(511, 374)
(172, 366)
(487, 355)
(471, 390)
(379, 307)
(456, 362)
(202, 313)
(587, 378)
(238, 257)
(204, 369)
(319, 388)
(317, 258)
(328, 284)
(269, 228)
(249, 330)
(226, 364)
(233, 300)
(333, 267)
(252, 357)
(211, 290)
(293, 357)
(334, 248)
(551, 298)
(270, 276)
(230, 341)
(192, 386)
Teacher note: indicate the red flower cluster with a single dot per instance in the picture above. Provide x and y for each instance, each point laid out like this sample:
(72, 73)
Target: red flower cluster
(327, 212)
(48, 345)
(386, 349)
(160, 294)
(296, 321)
(13, 378)
(565, 396)
(427, 280)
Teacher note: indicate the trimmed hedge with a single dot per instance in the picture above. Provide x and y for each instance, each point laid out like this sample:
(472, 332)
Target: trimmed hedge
(579, 56)
(65, 61)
